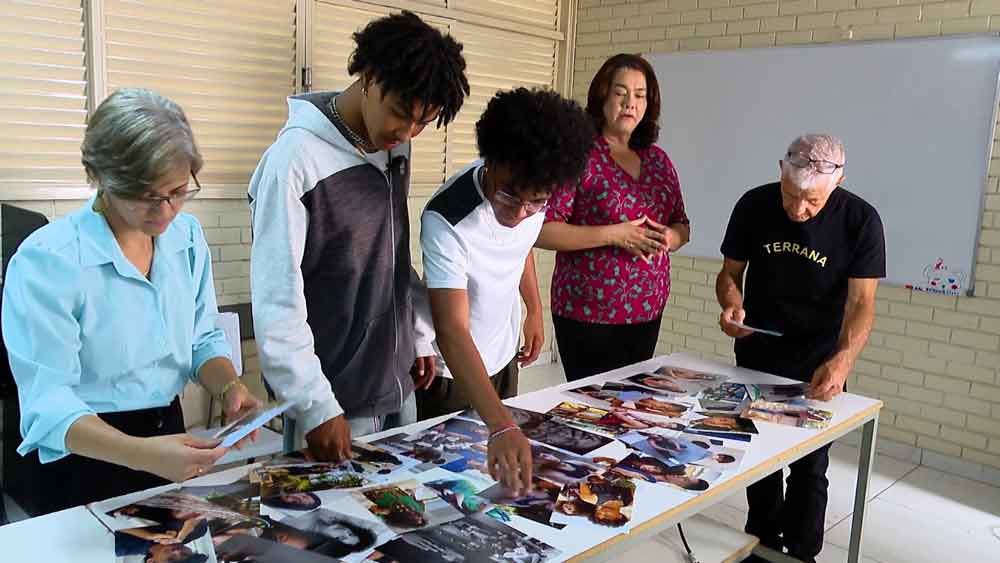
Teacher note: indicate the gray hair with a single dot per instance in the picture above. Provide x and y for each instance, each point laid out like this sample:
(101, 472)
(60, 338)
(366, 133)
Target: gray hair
(133, 139)
(816, 147)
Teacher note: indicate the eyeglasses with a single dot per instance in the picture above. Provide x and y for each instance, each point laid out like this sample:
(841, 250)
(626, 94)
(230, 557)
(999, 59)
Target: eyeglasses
(516, 203)
(175, 200)
(822, 166)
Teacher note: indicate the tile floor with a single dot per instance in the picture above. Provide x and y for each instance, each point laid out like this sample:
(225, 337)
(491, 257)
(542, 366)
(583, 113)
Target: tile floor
(917, 515)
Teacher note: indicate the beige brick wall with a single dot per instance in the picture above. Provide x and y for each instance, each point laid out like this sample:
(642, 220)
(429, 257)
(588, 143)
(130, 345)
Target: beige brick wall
(933, 360)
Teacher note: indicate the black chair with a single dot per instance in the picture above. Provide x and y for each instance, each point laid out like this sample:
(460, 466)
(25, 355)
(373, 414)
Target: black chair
(15, 226)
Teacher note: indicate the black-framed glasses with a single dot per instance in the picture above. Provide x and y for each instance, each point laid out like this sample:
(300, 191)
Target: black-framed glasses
(174, 200)
(799, 160)
(514, 202)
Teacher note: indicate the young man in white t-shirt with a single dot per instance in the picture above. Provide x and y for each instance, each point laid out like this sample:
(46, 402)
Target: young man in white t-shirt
(477, 233)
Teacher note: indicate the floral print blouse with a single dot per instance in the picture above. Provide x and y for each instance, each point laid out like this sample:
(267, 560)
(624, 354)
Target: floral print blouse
(607, 285)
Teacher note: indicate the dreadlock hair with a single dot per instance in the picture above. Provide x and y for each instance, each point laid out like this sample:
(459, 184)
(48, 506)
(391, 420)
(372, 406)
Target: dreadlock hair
(544, 138)
(410, 58)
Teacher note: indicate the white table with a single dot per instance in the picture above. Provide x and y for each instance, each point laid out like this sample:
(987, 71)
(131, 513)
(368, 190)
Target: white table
(75, 536)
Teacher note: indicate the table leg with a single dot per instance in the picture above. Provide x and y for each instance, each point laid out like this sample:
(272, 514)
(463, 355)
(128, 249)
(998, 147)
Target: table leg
(865, 460)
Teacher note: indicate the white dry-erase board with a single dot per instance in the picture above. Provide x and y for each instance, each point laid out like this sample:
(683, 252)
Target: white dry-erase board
(916, 116)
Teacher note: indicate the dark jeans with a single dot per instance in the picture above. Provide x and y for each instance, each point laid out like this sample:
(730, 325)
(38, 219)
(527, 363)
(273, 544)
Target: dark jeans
(75, 480)
(444, 396)
(587, 349)
(790, 514)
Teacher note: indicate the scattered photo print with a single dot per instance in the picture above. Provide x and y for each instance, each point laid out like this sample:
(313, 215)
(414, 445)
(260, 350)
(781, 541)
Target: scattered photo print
(474, 539)
(188, 541)
(536, 506)
(728, 423)
(685, 477)
(280, 481)
(241, 496)
(406, 506)
(541, 428)
(671, 450)
(339, 535)
(562, 468)
(250, 549)
(796, 413)
(460, 493)
(605, 500)
(777, 393)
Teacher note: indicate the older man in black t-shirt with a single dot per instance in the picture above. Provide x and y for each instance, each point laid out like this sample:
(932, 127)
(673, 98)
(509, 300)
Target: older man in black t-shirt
(816, 252)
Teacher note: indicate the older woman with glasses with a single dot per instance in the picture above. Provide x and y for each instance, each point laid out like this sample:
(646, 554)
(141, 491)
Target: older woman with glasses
(110, 311)
(614, 228)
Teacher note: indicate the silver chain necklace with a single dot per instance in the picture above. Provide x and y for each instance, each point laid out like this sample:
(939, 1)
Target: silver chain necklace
(355, 139)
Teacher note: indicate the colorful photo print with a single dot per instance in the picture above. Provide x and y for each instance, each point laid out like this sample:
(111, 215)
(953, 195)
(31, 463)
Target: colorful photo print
(188, 542)
(425, 457)
(693, 478)
(536, 506)
(671, 450)
(562, 468)
(796, 414)
(251, 549)
(242, 496)
(541, 428)
(460, 493)
(727, 392)
(407, 506)
(282, 480)
(605, 500)
(474, 539)
(777, 393)
(725, 423)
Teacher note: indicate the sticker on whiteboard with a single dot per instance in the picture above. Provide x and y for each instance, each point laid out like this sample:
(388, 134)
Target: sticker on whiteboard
(939, 278)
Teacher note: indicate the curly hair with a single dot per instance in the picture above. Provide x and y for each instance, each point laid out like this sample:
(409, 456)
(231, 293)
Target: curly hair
(410, 58)
(544, 138)
(648, 130)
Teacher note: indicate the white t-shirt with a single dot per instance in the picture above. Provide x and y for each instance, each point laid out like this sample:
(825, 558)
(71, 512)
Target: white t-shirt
(464, 247)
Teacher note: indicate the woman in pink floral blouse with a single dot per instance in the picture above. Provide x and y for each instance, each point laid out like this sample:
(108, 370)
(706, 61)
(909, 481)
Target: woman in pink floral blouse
(615, 228)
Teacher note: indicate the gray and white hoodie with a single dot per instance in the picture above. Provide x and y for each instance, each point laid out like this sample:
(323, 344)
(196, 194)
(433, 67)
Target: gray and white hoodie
(339, 313)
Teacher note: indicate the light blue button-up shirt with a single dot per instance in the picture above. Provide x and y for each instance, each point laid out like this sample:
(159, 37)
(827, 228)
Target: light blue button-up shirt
(87, 333)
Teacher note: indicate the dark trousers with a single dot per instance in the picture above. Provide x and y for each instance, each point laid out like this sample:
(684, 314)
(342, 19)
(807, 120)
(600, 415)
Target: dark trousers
(445, 397)
(792, 516)
(75, 480)
(587, 349)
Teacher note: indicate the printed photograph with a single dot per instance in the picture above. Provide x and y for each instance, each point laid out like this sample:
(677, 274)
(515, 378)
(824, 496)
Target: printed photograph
(725, 423)
(407, 506)
(605, 500)
(562, 468)
(671, 450)
(777, 393)
(685, 477)
(460, 493)
(250, 549)
(474, 539)
(281, 480)
(536, 506)
(790, 414)
(188, 543)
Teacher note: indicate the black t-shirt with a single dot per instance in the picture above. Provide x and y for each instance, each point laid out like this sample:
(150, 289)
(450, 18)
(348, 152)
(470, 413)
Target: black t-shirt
(796, 279)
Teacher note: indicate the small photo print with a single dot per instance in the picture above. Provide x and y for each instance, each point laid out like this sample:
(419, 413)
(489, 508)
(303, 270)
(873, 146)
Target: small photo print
(725, 423)
(460, 493)
(474, 539)
(605, 500)
(777, 393)
(691, 478)
(407, 506)
(563, 468)
(339, 535)
(536, 506)
(250, 549)
(671, 450)
(188, 541)
(284, 480)
(793, 413)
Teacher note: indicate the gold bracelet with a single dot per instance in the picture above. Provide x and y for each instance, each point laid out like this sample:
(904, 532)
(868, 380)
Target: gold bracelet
(225, 389)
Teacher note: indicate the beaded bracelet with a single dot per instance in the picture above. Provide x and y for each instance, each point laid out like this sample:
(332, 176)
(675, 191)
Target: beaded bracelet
(503, 430)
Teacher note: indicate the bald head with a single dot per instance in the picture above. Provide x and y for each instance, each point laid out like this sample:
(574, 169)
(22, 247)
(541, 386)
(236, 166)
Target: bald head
(813, 166)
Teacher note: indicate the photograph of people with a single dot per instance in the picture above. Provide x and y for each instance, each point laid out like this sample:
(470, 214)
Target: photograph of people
(615, 228)
(110, 311)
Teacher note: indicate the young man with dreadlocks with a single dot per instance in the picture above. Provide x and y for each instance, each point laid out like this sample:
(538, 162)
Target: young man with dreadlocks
(340, 316)
(476, 235)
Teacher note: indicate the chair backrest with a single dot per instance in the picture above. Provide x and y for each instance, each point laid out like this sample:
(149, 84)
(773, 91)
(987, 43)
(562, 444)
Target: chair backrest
(15, 226)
